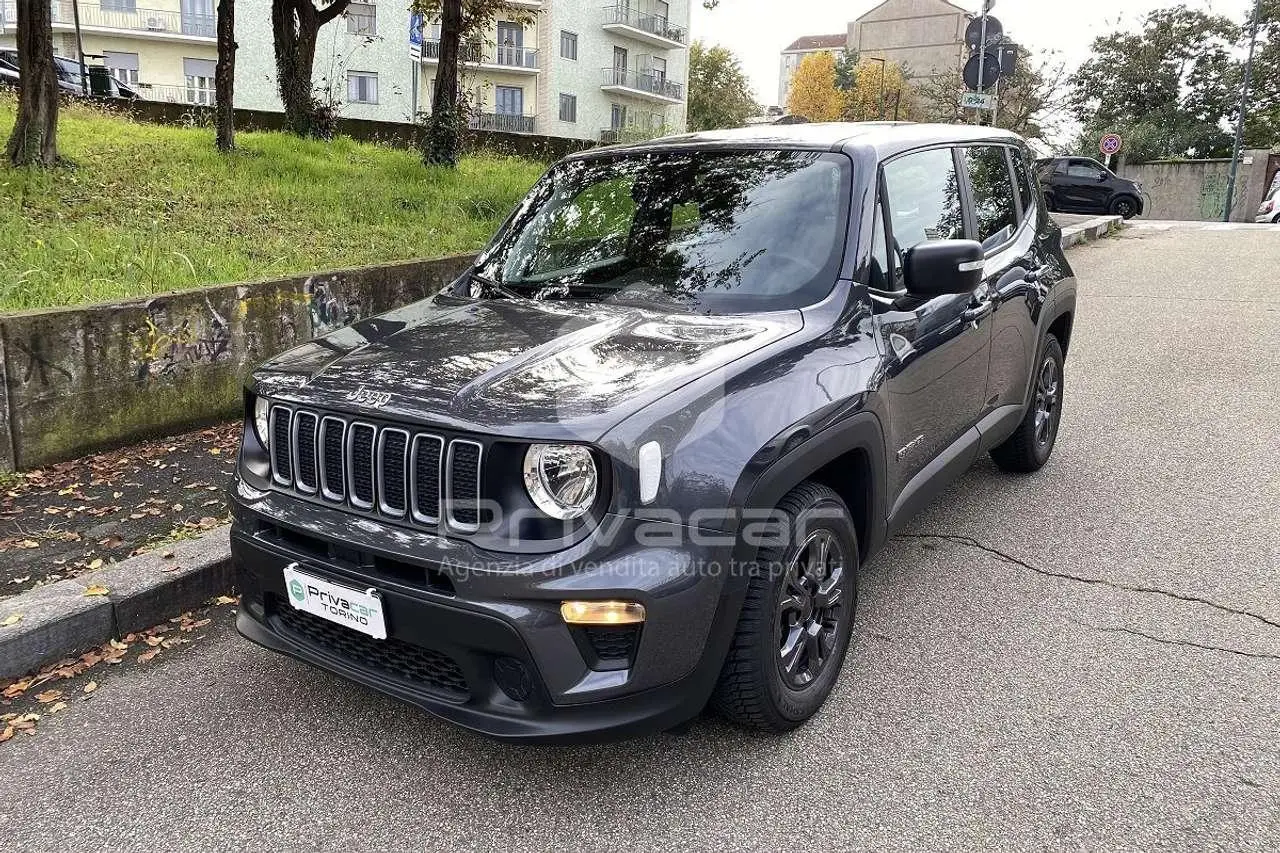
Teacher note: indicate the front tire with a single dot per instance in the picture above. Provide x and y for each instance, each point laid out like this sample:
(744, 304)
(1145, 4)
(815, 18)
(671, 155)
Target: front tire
(1125, 207)
(797, 618)
(1032, 443)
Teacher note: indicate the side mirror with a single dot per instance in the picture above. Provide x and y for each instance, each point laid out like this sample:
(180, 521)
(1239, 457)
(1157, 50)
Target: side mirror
(941, 267)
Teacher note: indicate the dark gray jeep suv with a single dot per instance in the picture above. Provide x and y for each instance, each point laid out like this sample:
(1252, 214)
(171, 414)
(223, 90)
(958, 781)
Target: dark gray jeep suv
(631, 461)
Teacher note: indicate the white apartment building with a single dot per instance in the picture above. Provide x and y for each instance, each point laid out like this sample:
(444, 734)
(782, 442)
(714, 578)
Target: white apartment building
(165, 49)
(585, 69)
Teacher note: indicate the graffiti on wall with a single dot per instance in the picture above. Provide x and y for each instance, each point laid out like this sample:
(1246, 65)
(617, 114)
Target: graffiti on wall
(329, 309)
(163, 349)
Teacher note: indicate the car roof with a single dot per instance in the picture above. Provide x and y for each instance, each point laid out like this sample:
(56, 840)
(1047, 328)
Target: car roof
(885, 137)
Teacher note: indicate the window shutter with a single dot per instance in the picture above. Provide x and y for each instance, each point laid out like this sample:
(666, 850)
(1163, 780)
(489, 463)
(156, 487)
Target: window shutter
(199, 67)
(123, 61)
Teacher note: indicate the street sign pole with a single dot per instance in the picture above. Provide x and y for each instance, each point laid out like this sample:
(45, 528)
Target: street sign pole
(1244, 111)
(982, 59)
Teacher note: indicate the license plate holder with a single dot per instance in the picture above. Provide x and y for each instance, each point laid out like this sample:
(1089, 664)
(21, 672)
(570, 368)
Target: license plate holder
(359, 610)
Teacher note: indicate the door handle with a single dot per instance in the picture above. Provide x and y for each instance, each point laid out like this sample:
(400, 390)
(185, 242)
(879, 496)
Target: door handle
(1034, 276)
(977, 313)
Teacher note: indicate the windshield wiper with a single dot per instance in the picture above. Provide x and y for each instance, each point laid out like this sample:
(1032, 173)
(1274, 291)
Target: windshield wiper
(491, 288)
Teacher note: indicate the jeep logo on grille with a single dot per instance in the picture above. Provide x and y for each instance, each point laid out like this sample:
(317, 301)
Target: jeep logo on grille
(376, 399)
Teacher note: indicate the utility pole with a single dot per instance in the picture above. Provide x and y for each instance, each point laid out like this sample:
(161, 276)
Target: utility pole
(1244, 112)
(84, 72)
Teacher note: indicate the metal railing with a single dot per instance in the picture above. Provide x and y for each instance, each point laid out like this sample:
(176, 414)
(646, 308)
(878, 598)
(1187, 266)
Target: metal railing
(507, 56)
(653, 24)
(175, 94)
(501, 121)
(126, 16)
(643, 81)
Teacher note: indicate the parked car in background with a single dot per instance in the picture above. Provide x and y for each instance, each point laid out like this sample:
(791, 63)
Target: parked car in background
(101, 83)
(1083, 185)
(8, 75)
(1269, 210)
(804, 332)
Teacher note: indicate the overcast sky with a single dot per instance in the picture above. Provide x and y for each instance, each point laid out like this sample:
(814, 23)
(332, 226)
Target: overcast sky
(756, 30)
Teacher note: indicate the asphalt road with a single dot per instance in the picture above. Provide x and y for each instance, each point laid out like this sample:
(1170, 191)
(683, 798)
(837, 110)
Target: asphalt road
(1087, 658)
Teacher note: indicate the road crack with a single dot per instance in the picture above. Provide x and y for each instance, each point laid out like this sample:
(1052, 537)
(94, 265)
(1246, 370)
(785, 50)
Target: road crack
(1188, 643)
(1149, 590)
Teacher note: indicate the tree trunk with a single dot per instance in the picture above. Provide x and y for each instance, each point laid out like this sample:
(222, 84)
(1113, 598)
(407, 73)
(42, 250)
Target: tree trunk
(443, 135)
(295, 25)
(35, 134)
(224, 77)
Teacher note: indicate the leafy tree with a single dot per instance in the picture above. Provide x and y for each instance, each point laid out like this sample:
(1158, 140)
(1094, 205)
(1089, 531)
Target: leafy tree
(224, 76)
(1167, 87)
(872, 89)
(813, 89)
(34, 141)
(460, 20)
(294, 26)
(1262, 127)
(719, 94)
(1035, 102)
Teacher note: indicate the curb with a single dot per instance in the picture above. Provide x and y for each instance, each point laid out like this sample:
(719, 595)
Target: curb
(142, 591)
(1091, 230)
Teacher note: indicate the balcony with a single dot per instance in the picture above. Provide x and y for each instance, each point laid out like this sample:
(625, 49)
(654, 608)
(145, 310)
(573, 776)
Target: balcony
(503, 122)
(123, 16)
(642, 84)
(651, 29)
(520, 60)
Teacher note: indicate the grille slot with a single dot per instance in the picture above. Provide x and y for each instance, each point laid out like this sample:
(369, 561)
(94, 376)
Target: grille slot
(464, 484)
(333, 459)
(304, 457)
(281, 456)
(427, 452)
(360, 439)
(420, 667)
(388, 470)
(393, 454)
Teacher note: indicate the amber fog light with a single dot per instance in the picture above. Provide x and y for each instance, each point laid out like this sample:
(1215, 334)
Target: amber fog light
(602, 612)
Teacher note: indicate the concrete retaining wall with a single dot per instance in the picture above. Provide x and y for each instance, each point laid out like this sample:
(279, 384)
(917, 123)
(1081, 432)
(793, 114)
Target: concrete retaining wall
(397, 134)
(79, 379)
(1197, 189)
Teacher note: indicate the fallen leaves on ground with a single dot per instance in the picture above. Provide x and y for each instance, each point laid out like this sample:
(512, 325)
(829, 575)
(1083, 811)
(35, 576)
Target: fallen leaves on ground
(11, 619)
(149, 644)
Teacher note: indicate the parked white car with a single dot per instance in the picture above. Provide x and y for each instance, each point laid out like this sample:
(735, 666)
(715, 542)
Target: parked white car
(1269, 211)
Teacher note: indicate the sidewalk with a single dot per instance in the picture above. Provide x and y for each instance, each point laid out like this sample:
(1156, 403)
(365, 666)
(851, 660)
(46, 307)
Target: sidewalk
(79, 516)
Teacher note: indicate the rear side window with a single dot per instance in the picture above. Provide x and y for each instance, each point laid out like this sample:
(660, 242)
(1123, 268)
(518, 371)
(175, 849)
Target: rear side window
(924, 198)
(1022, 178)
(991, 186)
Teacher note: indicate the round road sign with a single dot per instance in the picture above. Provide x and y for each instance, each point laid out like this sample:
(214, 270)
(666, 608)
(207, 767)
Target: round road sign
(1110, 144)
(973, 32)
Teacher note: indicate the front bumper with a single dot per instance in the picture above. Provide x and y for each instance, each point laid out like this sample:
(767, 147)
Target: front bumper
(484, 646)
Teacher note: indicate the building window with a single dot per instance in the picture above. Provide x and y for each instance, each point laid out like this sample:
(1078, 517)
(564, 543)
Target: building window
(362, 87)
(199, 74)
(568, 44)
(122, 66)
(118, 6)
(568, 107)
(509, 100)
(362, 19)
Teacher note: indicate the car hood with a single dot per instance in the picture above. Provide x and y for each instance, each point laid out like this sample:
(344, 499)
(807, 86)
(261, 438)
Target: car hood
(513, 366)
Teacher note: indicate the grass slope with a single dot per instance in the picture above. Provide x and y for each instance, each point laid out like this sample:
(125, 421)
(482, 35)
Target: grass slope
(149, 208)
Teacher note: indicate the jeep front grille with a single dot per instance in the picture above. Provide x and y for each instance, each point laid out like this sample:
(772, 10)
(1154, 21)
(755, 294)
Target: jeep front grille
(391, 471)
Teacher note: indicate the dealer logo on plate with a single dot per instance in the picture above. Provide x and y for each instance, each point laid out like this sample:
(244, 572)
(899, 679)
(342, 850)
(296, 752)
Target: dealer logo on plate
(297, 590)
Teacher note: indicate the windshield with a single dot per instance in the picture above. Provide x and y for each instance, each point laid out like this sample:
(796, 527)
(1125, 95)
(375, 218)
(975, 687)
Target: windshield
(709, 231)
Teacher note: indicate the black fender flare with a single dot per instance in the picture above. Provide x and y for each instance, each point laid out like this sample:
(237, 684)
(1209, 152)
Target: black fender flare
(861, 431)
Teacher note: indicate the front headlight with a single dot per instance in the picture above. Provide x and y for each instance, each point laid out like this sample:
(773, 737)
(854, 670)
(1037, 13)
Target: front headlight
(561, 479)
(261, 420)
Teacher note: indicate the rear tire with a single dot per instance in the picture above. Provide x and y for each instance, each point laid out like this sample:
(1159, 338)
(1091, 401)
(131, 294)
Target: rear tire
(1032, 443)
(797, 618)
